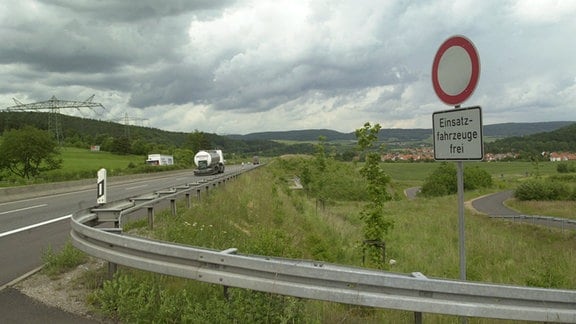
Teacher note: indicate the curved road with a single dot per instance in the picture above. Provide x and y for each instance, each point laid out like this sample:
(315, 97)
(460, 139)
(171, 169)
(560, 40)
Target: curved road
(493, 204)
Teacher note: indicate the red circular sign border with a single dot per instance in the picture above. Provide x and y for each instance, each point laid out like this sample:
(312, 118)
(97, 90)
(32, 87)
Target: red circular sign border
(467, 45)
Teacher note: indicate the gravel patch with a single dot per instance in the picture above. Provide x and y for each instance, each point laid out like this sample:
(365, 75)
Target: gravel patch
(66, 291)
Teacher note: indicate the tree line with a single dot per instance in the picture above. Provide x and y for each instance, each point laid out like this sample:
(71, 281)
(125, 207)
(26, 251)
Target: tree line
(527, 147)
(130, 139)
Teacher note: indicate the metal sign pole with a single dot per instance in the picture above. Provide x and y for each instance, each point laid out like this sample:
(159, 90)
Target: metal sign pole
(461, 231)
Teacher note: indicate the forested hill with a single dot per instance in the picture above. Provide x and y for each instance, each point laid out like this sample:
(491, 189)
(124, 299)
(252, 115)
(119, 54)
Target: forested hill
(83, 132)
(398, 134)
(87, 128)
(561, 139)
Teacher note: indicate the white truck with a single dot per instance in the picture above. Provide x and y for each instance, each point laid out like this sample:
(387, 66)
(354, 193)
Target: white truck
(209, 162)
(160, 159)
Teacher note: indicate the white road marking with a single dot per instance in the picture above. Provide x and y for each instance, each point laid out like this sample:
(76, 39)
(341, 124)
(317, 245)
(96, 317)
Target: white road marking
(21, 209)
(136, 187)
(34, 225)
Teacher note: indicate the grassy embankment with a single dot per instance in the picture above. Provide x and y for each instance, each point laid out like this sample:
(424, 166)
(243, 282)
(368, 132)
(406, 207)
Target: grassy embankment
(270, 219)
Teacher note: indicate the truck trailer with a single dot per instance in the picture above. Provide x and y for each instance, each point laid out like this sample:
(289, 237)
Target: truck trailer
(160, 159)
(209, 162)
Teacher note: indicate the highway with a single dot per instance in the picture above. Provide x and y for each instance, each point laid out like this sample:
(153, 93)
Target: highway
(30, 226)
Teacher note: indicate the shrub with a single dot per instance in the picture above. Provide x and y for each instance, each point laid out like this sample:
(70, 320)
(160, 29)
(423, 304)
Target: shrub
(443, 180)
(542, 190)
(563, 178)
(565, 168)
(475, 178)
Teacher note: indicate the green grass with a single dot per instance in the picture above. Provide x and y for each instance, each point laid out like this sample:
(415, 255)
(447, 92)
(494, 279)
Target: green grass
(80, 164)
(79, 160)
(402, 171)
(83, 164)
(269, 219)
(562, 209)
(57, 262)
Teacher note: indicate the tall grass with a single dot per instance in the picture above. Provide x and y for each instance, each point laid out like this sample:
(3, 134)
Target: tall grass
(57, 262)
(258, 214)
(562, 209)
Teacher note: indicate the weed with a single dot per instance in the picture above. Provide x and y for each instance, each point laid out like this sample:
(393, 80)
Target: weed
(57, 262)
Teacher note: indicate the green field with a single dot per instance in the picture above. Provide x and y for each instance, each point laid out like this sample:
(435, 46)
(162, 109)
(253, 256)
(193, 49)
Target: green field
(78, 160)
(80, 164)
(499, 170)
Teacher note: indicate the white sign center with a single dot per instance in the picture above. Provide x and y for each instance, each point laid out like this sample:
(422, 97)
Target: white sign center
(454, 70)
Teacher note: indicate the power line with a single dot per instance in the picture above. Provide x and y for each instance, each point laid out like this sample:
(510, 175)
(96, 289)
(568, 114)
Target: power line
(53, 106)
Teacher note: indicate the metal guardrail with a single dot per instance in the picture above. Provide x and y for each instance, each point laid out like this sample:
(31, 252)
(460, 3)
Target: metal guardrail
(312, 279)
(561, 223)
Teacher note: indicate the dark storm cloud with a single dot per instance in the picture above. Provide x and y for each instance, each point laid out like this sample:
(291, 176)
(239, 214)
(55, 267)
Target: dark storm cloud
(126, 11)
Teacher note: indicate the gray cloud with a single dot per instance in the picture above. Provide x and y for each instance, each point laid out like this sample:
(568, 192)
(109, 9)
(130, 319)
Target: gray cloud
(239, 66)
(133, 11)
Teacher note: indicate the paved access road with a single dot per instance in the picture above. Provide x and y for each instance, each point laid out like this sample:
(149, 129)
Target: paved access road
(494, 204)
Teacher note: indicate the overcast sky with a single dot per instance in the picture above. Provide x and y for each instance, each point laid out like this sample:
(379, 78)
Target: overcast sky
(237, 67)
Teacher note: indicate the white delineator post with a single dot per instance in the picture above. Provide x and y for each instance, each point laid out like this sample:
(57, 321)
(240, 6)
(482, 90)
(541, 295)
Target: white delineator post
(101, 187)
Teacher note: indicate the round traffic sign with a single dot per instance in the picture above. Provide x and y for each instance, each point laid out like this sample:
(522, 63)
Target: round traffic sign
(455, 70)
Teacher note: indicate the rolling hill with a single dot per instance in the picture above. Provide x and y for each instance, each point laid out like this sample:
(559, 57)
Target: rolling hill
(84, 131)
(398, 134)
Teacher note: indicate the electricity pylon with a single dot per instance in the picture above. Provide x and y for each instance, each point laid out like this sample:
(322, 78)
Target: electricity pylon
(53, 105)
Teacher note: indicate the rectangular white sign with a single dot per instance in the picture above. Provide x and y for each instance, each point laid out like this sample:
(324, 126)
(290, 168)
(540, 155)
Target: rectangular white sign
(101, 187)
(458, 134)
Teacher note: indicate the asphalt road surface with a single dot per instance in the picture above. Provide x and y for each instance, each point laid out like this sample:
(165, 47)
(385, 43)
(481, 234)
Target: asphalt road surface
(494, 204)
(29, 226)
(19, 308)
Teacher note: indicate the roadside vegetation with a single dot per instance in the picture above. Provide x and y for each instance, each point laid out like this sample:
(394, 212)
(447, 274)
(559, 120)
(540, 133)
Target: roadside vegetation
(58, 262)
(272, 219)
(351, 213)
(442, 181)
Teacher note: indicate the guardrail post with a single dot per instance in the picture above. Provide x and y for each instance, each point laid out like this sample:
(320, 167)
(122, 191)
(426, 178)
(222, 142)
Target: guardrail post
(150, 217)
(198, 194)
(112, 268)
(173, 206)
(417, 318)
(188, 201)
(224, 287)
(418, 315)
